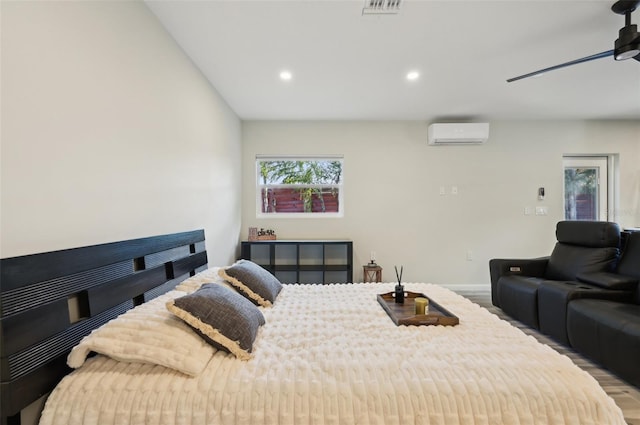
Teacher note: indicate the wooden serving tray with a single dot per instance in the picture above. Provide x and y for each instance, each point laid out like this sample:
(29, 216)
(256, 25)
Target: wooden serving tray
(404, 314)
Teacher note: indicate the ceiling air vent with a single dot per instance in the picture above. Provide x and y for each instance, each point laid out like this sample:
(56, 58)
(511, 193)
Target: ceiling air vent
(381, 7)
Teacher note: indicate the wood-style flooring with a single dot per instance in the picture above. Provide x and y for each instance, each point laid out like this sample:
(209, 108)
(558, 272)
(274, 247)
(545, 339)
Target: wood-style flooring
(625, 395)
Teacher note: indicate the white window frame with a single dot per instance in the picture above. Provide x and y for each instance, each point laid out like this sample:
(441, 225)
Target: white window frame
(608, 180)
(278, 215)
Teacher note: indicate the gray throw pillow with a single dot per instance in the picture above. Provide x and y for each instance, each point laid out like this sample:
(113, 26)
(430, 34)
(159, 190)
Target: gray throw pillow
(252, 281)
(222, 317)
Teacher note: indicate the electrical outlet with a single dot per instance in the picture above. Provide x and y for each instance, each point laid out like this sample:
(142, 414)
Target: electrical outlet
(527, 211)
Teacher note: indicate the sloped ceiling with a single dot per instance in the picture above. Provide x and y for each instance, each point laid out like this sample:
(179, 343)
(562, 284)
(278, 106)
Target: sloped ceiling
(347, 66)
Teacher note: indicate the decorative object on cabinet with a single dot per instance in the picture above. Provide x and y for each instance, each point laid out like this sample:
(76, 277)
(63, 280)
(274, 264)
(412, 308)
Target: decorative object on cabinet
(266, 235)
(372, 272)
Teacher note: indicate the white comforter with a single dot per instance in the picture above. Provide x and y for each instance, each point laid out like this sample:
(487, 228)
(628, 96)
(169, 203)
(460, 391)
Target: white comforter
(331, 355)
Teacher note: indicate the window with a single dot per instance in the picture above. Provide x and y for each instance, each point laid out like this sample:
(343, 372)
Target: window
(586, 188)
(299, 186)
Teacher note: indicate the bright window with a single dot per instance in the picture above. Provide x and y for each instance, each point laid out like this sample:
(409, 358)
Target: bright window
(586, 188)
(299, 186)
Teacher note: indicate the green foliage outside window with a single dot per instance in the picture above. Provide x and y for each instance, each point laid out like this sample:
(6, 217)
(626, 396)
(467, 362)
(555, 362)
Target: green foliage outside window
(311, 178)
(580, 182)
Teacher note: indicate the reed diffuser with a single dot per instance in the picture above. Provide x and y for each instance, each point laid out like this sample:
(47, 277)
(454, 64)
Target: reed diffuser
(399, 293)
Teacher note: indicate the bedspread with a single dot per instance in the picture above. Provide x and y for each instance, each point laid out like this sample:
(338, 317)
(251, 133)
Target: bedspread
(329, 354)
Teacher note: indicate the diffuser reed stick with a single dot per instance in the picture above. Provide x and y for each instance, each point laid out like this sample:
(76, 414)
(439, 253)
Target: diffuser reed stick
(399, 276)
(399, 293)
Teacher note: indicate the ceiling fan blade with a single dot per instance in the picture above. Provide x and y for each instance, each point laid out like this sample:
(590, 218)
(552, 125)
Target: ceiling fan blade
(562, 65)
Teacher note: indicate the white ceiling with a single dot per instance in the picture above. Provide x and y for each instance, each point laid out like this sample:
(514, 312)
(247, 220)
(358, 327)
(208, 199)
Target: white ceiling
(347, 66)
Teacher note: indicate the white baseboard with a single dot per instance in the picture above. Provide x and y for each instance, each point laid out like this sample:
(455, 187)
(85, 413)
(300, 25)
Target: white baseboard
(468, 287)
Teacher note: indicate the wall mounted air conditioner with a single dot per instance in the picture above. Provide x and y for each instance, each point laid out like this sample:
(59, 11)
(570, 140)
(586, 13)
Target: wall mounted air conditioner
(458, 133)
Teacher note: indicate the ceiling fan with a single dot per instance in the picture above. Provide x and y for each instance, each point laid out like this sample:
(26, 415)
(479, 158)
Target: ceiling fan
(627, 45)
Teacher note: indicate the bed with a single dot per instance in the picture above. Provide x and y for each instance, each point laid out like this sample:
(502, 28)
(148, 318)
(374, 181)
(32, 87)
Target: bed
(327, 354)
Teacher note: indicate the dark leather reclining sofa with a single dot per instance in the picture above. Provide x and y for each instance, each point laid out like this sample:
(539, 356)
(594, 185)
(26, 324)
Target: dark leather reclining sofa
(586, 294)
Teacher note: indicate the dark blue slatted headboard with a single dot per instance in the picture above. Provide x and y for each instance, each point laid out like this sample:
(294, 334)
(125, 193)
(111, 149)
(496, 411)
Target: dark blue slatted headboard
(49, 301)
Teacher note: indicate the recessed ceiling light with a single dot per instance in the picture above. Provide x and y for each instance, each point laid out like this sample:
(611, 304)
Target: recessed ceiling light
(413, 75)
(285, 75)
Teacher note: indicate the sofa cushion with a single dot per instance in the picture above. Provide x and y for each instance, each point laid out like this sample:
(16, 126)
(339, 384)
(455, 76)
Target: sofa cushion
(519, 298)
(608, 280)
(594, 234)
(566, 261)
(607, 332)
(554, 296)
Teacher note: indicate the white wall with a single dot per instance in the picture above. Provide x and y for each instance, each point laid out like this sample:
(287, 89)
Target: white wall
(393, 179)
(109, 132)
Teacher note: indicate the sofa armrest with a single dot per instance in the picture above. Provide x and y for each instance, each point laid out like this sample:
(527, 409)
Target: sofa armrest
(608, 280)
(534, 267)
(498, 267)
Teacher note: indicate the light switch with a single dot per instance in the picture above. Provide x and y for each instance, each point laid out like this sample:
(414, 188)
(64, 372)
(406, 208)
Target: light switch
(542, 210)
(454, 190)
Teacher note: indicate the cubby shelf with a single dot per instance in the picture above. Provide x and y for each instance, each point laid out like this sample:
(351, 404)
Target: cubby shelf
(303, 261)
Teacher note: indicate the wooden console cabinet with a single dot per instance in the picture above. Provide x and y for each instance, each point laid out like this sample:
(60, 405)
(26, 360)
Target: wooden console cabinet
(303, 261)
